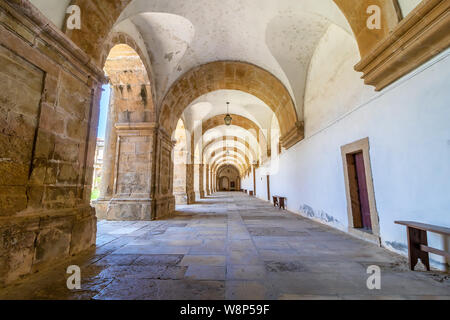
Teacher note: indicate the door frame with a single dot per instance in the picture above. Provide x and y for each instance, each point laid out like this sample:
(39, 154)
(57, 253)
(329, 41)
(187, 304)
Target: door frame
(352, 148)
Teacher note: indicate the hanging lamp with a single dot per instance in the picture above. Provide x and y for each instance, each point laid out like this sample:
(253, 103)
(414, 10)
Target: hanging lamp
(228, 118)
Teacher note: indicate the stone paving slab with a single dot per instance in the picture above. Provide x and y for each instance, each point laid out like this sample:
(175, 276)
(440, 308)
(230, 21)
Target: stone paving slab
(231, 246)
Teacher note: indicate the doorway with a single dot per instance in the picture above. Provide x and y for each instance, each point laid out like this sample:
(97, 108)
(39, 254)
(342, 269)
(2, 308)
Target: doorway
(358, 191)
(361, 206)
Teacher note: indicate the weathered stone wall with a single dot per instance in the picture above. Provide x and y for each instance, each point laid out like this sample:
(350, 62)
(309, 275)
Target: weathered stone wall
(47, 144)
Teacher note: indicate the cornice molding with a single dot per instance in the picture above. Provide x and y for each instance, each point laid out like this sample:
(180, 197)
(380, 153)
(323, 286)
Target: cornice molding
(296, 134)
(39, 26)
(136, 125)
(417, 38)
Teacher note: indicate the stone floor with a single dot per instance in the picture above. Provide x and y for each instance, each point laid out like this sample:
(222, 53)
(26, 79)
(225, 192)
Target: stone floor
(231, 246)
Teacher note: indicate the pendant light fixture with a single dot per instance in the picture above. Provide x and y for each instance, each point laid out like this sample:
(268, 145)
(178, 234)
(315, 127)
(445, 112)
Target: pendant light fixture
(228, 118)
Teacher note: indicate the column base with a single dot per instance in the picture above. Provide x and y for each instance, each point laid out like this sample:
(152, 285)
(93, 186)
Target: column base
(190, 197)
(134, 209)
(123, 209)
(181, 198)
(164, 207)
(198, 195)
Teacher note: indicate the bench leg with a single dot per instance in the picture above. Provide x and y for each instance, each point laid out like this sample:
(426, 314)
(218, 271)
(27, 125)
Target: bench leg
(417, 237)
(282, 204)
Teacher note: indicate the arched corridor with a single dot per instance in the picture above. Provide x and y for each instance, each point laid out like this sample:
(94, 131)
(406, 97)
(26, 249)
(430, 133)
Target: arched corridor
(206, 149)
(231, 246)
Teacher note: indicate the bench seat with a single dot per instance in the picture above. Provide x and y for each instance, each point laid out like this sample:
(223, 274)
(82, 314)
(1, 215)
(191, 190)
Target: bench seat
(418, 243)
(279, 201)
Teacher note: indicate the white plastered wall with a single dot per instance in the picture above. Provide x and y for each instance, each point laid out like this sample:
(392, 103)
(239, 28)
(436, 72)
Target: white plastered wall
(409, 135)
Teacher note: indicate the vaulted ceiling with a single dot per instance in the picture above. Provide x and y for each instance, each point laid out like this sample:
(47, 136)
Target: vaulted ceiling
(279, 37)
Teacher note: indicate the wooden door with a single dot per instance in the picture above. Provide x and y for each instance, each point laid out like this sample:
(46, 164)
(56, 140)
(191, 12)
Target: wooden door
(362, 191)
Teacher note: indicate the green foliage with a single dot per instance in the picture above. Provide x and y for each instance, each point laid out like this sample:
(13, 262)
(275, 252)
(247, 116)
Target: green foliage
(95, 194)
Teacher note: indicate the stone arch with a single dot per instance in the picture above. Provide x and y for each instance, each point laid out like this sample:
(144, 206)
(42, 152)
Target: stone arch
(232, 75)
(225, 160)
(233, 176)
(103, 14)
(356, 15)
(238, 154)
(242, 122)
(220, 150)
(221, 182)
(224, 166)
(231, 138)
(220, 131)
(117, 38)
(129, 78)
(96, 24)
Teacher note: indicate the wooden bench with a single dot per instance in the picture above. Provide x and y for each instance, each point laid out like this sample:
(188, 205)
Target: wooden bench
(418, 243)
(279, 201)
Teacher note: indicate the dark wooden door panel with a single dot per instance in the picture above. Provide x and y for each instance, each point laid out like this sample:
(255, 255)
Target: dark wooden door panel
(362, 190)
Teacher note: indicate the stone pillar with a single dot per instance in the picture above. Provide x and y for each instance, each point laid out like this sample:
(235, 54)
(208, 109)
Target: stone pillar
(211, 186)
(208, 189)
(179, 187)
(201, 180)
(163, 200)
(254, 180)
(180, 177)
(211, 182)
(132, 173)
(143, 174)
(197, 180)
(180, 157)
(190, 193)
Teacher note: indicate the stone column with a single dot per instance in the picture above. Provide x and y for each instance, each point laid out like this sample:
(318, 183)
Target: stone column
(180, 178)
(211, 187)
(190, 183)
(201, 178)
(254, 180)
(197, 180)
(143, 174)
(208, 190)
(163, 200)
(211, 182)
(131, 191)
